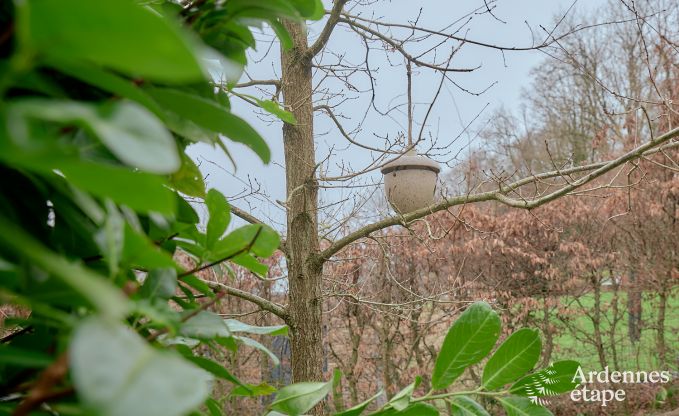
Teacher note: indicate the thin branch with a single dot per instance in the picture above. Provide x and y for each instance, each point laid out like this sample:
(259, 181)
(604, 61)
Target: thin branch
(264, 304)
(595, 170)
(323, 38)
(362, 29)
(246, 216)
(255, 82)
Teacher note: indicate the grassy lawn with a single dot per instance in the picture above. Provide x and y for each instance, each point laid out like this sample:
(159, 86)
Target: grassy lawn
(642, 356)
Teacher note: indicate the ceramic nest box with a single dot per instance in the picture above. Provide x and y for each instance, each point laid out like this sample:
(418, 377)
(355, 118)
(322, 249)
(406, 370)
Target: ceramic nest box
(410, 182)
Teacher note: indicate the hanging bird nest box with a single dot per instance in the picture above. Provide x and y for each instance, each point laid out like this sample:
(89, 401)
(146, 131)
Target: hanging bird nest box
(410, 182)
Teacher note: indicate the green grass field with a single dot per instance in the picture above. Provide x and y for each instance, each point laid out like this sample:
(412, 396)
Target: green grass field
(640, 356)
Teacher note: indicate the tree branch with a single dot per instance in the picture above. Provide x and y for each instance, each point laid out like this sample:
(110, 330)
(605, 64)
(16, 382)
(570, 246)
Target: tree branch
(595, 170)
(357, 27)
(323, 38)
(246, 216)
(344, 133)
(255, 82)
(264, 304)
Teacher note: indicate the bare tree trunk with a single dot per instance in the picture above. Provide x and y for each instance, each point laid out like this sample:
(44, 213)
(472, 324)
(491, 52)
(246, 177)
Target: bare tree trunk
(613, 344)
(660, 339)
(548, 331)
(634, 306)
(596, 320)
(304, 268)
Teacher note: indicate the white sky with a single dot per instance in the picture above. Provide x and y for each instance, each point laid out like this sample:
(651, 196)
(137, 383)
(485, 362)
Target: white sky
(453, 111)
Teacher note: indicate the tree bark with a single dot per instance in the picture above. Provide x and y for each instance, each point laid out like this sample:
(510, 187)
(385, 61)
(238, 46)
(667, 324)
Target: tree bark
(304, 268)
(634, 306)
(660, 326)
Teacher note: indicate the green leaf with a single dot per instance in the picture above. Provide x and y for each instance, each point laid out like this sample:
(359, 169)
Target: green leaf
(210, 115)
(117, 373)
(185, 212)
(140, 191)
(205, 325)
(105, 297)
(360, 408)
(401, 400)
(275, 109)
(282, 33)
(110, 238)
(297, 399)
(107, 81)
(117, 34)
(310, 9)
(251, 263)
(139, 251)
(23, 358)
(214, 407)
(220, 216)
(214, 368)
(556, 379)
(262, 240)
(257, 345)
(417, 409)
(160, 283)
(238, 326)
(128, 130)
(188, 179)
(262, 389)
(465, 406)
(198, 284)
(517, 355)
(521, 406)
(468, 341)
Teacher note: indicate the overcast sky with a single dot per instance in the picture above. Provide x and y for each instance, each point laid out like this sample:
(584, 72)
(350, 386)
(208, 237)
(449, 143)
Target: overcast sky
(508, 75)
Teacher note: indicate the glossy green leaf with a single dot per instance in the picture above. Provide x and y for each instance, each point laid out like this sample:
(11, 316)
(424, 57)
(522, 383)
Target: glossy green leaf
(417, 409)
(140, 191)
(238, 326)
(556, 379)
(140, 251)
(220, 216)
(160, 283)
(213, 407)
(297, 399)
(282, 33)
(121, 34)
(185, 212)
(110, 238)
(262, 389)
(310, 9)
(401, 400)
(213, 368)
(205, 325)
(251, 263)
(131, 132)
(517, 355)
(521, 406)
(261, 240)
(116, 372)
(275, 109)
(468, 341)
(95, 288)
(188, 179)
(210, 115)
(465, 406)
(360, 408)
(107, 81)
(259, 346)
(198, 284)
